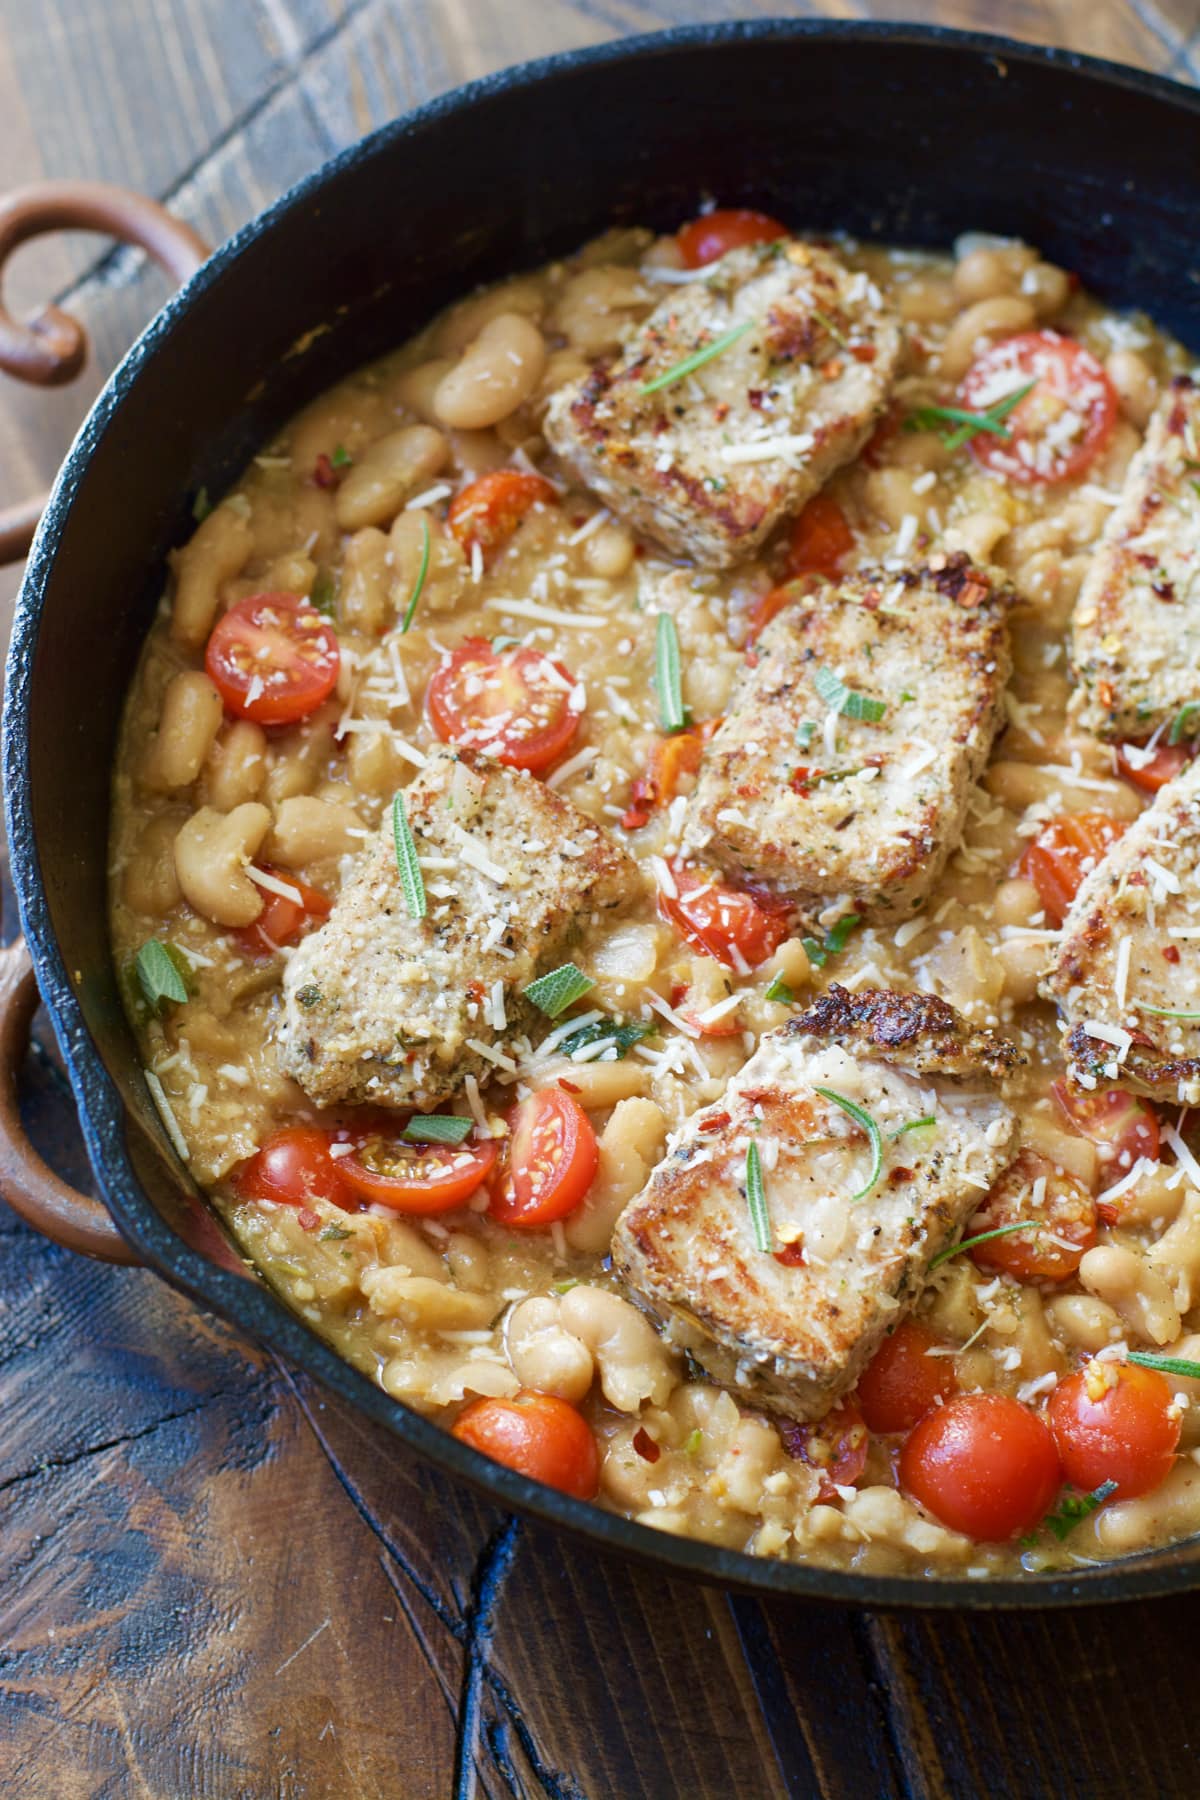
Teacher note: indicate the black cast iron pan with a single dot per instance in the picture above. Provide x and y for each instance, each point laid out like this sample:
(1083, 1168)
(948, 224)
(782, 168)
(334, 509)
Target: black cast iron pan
(900, 132)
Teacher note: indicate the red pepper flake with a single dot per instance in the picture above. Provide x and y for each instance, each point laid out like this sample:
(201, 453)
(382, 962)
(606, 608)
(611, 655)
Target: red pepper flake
(324, 474)
(1170, 953)
(898, 1177)
(792, 1255)
(309, 1220)
(717, 1122)
(645, 1445)
(721, 411)
(572, 1087)
(1108, 1213)
(971, 593)
(678, 990)
(1104, 693)
(863, 352)
(872, 600)
(833, 368)
(756, 396)
(803, 778)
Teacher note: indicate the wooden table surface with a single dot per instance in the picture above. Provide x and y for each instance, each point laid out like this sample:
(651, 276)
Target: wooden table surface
(214, 1583)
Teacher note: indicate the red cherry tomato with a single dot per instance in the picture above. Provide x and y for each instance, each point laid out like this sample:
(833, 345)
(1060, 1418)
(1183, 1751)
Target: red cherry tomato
(520, 707)
(488, 511)
(902, 1380)
(273, 659)
(1061, 425)
(1123, 1126)
(1064, 851)
(982, 1464)
(551, 1160)
(737, 928)
(282, 920)
(1162, 767)
(1032, 1187)
(672, 760)
(294, 1168)
(836, 1446)
(1115, 1422)
(715, 234)
(771, 604)
(537, 1435)
(820, 539)
(419, 1179)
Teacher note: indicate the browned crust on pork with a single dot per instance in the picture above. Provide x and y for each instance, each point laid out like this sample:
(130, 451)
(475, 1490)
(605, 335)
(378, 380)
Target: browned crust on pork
(919, 1032)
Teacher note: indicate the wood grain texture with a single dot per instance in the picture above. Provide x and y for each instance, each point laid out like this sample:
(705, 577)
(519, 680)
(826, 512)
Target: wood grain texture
(214, 1583)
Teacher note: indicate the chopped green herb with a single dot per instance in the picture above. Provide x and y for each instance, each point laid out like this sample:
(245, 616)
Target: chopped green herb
(780, 991)
(694, 1442)
(309, 996)
(565, 1286)
(162, 973)
(756, 1199)
(341, 458)
(1181, 721)
(553, 993)
(845, 700)
(914, 1125)
(333, 1234)
(906, 695)
(407, 861)
(1165, 1012)
(805, 733)
(836, 939)
(201, 506)
(829, 326)
(1074, 1507)
(671, 710)
(621, 1037)
(504, 642)
(419, 584)
(690, 364)
(983, 1237)
(324, 593)
(1167, 1365)
(970, 424)
(815, 951)
(437, 1128)
(861, 1117)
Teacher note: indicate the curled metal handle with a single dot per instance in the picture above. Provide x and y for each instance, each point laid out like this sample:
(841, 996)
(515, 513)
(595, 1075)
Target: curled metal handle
(28, 1184)
(51, 348)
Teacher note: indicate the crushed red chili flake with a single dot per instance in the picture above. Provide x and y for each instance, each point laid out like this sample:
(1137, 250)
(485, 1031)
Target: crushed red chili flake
(898, 1177)
(792, 1255)
(572, 1087)
(309, 1220)
(324, 473)
(864, 353)
(1171, 953)
(645, 1445)
(1108, 1213)
(716, 1123)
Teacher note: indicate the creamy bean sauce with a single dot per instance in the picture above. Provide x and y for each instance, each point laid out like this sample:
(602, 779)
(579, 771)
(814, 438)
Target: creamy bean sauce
(443, 1310)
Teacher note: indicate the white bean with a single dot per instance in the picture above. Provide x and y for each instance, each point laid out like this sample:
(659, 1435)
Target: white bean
(393, 467)
(211, 854)
(218, 550)
(630, 1144)
(498, 373)
(190, 719)
(1136, 1291)
(544, 1355)
(307, 829)
(633, 1361)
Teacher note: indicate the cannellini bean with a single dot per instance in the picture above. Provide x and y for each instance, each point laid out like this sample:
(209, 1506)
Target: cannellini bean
(1017, 902)
(754, 1454)
(595, 307)
(464, 322)
(1135, 385)
(1176, 1255)
(630, 1144)
(402, 1247)
(1042, 1132)
(1169, 1512)
(415, 387)
(890, 495)
(150, 885)
(393, 467)
(187, 726)
(237, 766)
(977, 533)
(1152, 1200)
(980, 325)
(991, 269)
(447, 570)
(625, 1476)
(307, 829)
(298, 756)
(426, 1304)
(1083, 1322)
(927, 299)
(1023, 962)
(365, 587)
(217, 550)
(1020, 784)
(468, 1260)
(211, 854)
(1048, 286)
(609, 551)
(1139, 1293)
(498, 373)
(544, 1355)
(633, 1361)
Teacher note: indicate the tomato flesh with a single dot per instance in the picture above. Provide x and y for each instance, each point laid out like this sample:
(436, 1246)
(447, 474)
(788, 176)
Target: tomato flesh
(903, 1380)
(539, 1436)
(550, 1164)
(522, 707)
(715, 234)
(419, 1179)
(836, 1446)
(982, 1464)
(282, 920)
(738, 928)
(273, 658)
(1115, 1422)
(1063, 853)
(672, 760)
(294, 1168)
(820, 539)
(1061, 425)
(1063, 1208)
(489, 509)
(1122, 1126)
(1163, 766)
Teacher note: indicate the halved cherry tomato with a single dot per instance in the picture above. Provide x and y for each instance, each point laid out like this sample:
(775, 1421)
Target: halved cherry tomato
(1123, 1126)
(671, 759)
(982, 1464)
(1064, 851)
(549, 1164)
(836, 1445)
(736, 927)
(902, 1380)
(820, 539)
(1162, 767)
(273, 658)
(282, 920)
(1060, 427)
(522, 706)
(1032, 1187)
(715, 234)
(537, 1435)
(771, 604)
(294, 1168)
(488, 511)
(1115, 1422)
(420, 1179)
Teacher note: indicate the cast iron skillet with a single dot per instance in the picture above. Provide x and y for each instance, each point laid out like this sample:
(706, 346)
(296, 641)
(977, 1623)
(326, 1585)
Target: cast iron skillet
(905, 133)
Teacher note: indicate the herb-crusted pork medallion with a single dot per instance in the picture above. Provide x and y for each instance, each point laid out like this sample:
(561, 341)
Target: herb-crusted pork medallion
(844, 766)
(853, 1211)
(386, 1007)
(734, 401)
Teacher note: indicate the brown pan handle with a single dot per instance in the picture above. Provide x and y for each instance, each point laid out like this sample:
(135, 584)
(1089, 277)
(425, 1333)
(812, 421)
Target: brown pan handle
(28, 1184)
(51, 349)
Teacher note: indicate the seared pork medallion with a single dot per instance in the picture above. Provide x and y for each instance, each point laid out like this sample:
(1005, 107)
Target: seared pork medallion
(664, 940)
